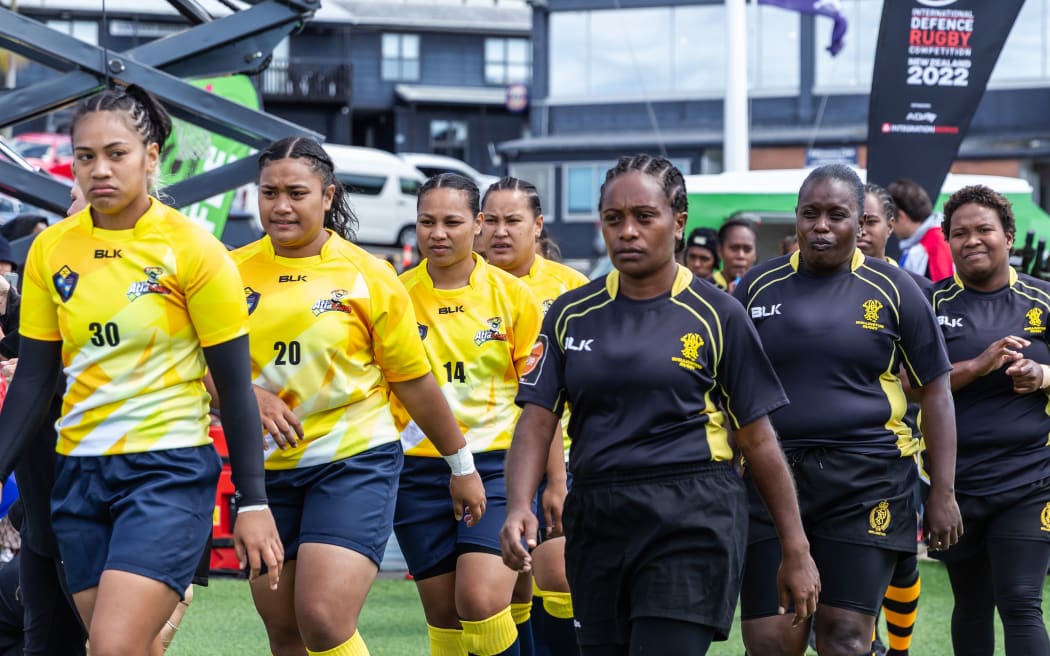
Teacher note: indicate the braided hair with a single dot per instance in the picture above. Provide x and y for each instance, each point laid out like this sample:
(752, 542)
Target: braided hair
(886, 204)
(452, 181)
(340, 217)
(144, 113)
(661, 168)
(516, 184)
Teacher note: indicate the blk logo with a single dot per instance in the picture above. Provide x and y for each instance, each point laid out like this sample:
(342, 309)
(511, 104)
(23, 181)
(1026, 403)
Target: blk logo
(105, 254)
(950, 322)
(761, 311)
(581, 345)
(295, 278)
(452, 309)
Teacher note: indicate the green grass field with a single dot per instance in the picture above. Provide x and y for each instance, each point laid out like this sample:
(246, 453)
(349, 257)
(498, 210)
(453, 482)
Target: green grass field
(222, 621)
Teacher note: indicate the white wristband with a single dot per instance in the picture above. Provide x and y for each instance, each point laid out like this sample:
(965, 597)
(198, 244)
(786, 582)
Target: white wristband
(244, 509)
(461, 462)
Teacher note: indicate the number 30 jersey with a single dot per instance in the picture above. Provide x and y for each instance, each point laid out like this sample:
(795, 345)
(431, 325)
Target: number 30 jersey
(477, 339)
(327, 333)
(132, 309)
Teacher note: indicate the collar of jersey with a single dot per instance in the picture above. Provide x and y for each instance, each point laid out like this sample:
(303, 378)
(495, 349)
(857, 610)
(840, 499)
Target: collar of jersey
(300, 262)
(143, 226)
(475, 276)
(855, 263)
(1013, 278)
(536, 270)
(682, 278)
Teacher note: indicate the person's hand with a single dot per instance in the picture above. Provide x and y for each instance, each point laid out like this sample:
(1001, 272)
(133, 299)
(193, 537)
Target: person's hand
(520, 525)
(1027, 376)
(798, 581)
(256, 541)
(1000, 352)
(468, 497)
(943, 520)
(277, 419)
(7, 369)
(553, 502)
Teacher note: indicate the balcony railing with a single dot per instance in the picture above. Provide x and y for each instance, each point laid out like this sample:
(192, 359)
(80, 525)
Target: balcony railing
(306, 79)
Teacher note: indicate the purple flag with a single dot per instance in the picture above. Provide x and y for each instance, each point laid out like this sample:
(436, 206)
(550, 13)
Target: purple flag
(830, 8)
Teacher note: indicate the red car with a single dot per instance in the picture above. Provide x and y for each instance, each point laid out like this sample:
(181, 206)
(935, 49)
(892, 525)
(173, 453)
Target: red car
(51, 152)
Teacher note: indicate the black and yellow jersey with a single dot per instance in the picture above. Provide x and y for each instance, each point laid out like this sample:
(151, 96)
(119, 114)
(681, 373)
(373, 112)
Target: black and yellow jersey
(1003, 437)
(652, 382)
(328, 333)
(718, 279)
(132, 308)
(837, 343)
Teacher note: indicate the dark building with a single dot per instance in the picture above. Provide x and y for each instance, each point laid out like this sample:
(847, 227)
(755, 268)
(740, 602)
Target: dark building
(649, 76)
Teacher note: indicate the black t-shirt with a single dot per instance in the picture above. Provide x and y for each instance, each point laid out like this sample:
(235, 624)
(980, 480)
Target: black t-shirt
(1002, 435)
(650, 382)
(837, 343)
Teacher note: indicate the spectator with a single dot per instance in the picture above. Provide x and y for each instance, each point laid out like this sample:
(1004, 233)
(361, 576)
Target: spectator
(923, 248)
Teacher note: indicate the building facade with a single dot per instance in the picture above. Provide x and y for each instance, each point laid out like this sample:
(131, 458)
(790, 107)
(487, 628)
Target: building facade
(649, 76)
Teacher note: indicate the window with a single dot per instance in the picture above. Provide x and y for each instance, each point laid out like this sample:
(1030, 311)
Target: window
(1026, 55)
(507, 61)
(850, 71)
(449, 138)
(583, 181)
(669, 52)
(359, 184)
(542, 176)
(410, 186)
(400, 57)
(86, 31)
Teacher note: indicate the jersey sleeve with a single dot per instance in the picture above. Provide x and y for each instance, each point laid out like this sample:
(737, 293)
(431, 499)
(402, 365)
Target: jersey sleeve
(745, 375)
(542, 378)
(395, 332)
(214, 292)
(39, 318)
(527, 326)
(924, 354)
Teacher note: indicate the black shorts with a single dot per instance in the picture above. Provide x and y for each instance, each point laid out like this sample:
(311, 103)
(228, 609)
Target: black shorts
(664, 542)
(847, 497)
(1022, 513)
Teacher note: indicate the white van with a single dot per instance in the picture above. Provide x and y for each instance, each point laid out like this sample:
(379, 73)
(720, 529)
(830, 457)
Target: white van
(383, 190)
(431, 165)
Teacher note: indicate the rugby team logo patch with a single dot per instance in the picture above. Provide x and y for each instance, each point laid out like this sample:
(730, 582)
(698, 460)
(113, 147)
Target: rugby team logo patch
(65, 282)
(151, 285)
(492, 333)
(252, 298)
(530, 374)
(334, 303)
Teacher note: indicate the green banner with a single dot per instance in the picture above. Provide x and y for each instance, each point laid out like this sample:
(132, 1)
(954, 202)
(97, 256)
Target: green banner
(192, 150)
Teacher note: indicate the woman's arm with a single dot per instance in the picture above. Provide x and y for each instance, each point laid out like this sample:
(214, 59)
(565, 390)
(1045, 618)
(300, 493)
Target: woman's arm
(1000, 352)
(526, 462)
(943, 520)
(28, 398)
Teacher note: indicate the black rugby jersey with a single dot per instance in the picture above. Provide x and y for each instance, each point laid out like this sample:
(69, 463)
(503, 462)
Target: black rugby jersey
(649, 382)
(837, 343)
(1003, 436)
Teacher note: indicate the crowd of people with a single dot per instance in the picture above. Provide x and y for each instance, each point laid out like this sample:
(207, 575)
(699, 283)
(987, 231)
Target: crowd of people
(602, 468)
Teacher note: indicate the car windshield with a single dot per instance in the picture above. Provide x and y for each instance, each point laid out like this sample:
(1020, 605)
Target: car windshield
(27, 149)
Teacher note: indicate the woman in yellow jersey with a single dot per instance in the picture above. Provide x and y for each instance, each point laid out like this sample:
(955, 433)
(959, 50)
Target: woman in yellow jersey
(134, 299)
(478, 324)
(510, 233)
(333, 332)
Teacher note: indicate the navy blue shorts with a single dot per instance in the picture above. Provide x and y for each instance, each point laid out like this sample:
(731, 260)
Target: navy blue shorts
(430, 538)
(145, 513)
(348, 503)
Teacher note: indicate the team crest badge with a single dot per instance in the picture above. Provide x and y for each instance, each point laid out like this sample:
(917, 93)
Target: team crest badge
(252, 298)
(691, 344)
(1035, 321)
(65, 282)
(422, 331)
(334, 303)
(547, 305)
(871, 309)
(151, 285)
(879, 518)
(530, 373)
(492, 333)
(1044, 518)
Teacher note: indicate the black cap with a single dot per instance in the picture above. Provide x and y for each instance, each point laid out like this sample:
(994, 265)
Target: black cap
(704, 238)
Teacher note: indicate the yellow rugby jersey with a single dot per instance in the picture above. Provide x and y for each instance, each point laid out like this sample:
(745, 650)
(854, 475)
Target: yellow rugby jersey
(548, 280)
(133, 309)
(327, 333)
(477, 340)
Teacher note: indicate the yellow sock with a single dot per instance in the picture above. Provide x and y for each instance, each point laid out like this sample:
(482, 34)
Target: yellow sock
(490, 636)
(558, 604)
(446, 642)
(521, 612)
(355, 646)
(536, 592)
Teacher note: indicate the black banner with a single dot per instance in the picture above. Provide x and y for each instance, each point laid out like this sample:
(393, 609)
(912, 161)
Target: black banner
(932, 64)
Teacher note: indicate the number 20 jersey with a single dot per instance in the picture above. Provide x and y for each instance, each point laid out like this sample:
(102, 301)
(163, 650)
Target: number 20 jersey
(133, 309)
(327, 334)
(477, 339)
